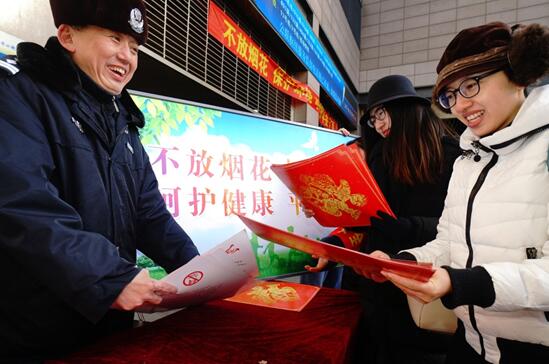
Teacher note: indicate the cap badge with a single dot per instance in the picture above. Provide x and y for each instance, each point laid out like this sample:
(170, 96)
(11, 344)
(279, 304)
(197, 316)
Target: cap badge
(136, 21)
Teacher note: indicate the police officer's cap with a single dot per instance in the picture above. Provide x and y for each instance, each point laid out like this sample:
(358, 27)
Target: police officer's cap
(124, 16)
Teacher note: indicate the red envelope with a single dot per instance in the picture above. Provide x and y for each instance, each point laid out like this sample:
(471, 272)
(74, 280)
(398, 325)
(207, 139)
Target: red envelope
(418, 271)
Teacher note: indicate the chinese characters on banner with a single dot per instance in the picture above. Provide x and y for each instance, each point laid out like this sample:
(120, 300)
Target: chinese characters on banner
(211, 170)
(226, 31)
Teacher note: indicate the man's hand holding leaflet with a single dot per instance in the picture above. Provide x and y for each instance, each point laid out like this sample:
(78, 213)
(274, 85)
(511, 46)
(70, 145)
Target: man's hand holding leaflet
(219, 273)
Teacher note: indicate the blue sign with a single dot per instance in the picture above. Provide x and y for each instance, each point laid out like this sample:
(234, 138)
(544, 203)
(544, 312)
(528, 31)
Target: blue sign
(285, 17)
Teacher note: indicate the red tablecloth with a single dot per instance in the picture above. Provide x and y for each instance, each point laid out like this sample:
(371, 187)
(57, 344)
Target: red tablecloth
(228, 332)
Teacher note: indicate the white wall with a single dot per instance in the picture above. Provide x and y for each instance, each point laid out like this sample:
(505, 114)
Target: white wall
(409, 36)
(29, 20)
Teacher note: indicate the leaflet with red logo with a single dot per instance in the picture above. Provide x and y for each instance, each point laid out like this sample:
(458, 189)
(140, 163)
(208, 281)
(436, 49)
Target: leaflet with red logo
(337, 185)
(221, 272)
(418, 271)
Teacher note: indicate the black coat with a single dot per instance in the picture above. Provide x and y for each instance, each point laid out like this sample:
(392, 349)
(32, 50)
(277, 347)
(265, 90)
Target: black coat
(421, 204)
(77, 197)
(391, 335)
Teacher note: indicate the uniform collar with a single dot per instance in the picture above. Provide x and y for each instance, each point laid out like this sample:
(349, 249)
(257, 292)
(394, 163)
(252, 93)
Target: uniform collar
(93, 88)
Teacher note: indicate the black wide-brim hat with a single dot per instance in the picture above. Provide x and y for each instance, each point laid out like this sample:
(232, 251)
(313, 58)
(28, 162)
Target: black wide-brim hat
(124, 16)
(390, 88)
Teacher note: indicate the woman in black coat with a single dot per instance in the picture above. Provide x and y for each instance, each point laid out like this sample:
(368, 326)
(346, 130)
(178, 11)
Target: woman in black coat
(410, 152)
(411, 155)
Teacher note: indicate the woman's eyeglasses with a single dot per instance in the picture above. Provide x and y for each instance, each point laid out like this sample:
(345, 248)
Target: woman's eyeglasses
(378, 114)
(467, 88)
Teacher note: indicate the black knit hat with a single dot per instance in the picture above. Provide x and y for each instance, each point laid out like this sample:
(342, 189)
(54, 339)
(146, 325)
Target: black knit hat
(124, 16)
(391, 88)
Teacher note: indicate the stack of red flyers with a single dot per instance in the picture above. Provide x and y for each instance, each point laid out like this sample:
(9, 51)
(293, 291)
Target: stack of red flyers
(337, 185)
(410, 269)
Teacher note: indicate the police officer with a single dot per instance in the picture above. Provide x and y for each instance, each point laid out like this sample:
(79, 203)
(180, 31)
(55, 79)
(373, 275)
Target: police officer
(78, 195)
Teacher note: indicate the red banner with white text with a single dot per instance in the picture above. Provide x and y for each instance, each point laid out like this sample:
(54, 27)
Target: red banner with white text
(226, 31)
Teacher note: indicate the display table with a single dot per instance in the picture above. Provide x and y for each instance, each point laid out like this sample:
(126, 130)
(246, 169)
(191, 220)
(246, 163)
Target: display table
(228, 332)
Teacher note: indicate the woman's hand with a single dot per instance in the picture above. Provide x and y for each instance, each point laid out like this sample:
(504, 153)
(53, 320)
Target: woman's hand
(320, 265)
(344, 132)
(376, 277)
(437, 286)
(397, 229)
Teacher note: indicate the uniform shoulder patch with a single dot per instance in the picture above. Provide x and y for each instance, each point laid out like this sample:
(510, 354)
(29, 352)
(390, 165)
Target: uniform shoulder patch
(8, 66)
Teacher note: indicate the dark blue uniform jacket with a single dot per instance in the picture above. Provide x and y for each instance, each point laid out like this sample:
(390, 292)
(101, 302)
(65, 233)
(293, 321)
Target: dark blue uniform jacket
(77, 197)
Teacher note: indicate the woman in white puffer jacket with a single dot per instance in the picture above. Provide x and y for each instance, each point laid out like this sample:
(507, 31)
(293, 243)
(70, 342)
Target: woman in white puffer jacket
(492, 246)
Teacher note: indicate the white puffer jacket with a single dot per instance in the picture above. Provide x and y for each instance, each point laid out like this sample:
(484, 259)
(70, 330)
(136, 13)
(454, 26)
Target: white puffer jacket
(496, 217)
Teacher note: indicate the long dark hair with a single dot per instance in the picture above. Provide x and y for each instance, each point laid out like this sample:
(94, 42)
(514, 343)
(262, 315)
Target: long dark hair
(413, 150)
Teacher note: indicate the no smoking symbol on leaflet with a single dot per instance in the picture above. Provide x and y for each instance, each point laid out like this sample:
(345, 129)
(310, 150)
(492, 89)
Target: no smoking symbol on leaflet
(193, 278)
